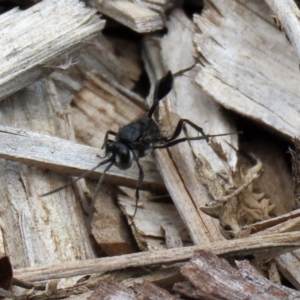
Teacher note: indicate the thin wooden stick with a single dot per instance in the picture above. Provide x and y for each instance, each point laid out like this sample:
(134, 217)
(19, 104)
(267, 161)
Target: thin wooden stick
(270, 245)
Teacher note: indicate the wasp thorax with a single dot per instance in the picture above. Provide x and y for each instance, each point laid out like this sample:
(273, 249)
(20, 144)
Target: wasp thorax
(120, 154)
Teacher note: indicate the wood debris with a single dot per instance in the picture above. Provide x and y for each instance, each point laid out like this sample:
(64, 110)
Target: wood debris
(237, 207)
(26, 48)
(210, 277)
(39, 225)
(59, 158)
(109, 227)
(260, 246)
(231, 66)
(155, 225)
(134, 16)
(238, 84)
(110, 290)
(177, 164)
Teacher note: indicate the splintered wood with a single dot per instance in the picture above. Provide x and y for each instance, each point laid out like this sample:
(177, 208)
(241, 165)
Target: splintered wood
(211, 201)
(177, 164)
(142, 290)
(136, 17)
(288, 14)
(39, 226)
(43, 35)
(155, 225)
(206, 276)
(251, 84)
(65, 157)
(241, 85)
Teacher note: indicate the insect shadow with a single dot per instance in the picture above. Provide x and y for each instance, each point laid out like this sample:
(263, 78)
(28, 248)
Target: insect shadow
(137, 139)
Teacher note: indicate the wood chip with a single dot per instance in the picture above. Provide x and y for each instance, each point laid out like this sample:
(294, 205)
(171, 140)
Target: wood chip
(288, 14)
(212, 278)
(150, 218)
(116, 59)
(109, 227)
(38, 230)
(134, 16)
(112, 290)
(165, 276)
(288, 264)
(101, 105)
(252, 83)
(147, 290)
(26, 48)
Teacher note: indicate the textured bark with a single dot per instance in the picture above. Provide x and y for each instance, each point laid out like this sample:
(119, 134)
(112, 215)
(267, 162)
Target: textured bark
(212, 278)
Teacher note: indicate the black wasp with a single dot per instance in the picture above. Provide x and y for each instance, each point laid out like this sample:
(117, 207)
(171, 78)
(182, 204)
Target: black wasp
(138, 138)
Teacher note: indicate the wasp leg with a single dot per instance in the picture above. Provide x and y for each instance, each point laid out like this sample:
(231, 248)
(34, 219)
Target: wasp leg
(181, 72)
(206, 137)
(138, 185)
(179, 128)
(106, 137)
(105, 154)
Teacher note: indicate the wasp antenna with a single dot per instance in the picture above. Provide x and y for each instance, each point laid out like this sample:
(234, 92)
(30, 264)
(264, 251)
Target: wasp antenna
(96, 192)
(181, 72)
(78, 178)
(162, 89)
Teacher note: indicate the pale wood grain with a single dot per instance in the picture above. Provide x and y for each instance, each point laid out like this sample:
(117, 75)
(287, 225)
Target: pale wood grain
(42, 35)
(37, 230)
(248, 66)
(117, 60)
(65, 157)
(150, 217)
(101, 105)
(288, 14)
(177, 165)
(109, 227)
(288, 264)
(138, 18)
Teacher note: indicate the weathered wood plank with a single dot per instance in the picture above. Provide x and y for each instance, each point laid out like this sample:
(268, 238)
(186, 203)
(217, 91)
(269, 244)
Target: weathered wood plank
(138, 18)
(65, 157)
(42, 35)
(288, 15)
(248, 66)
(177, 164)
(37, 230)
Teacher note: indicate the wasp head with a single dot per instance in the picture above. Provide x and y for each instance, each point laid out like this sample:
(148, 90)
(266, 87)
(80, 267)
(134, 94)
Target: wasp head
(120, 154)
